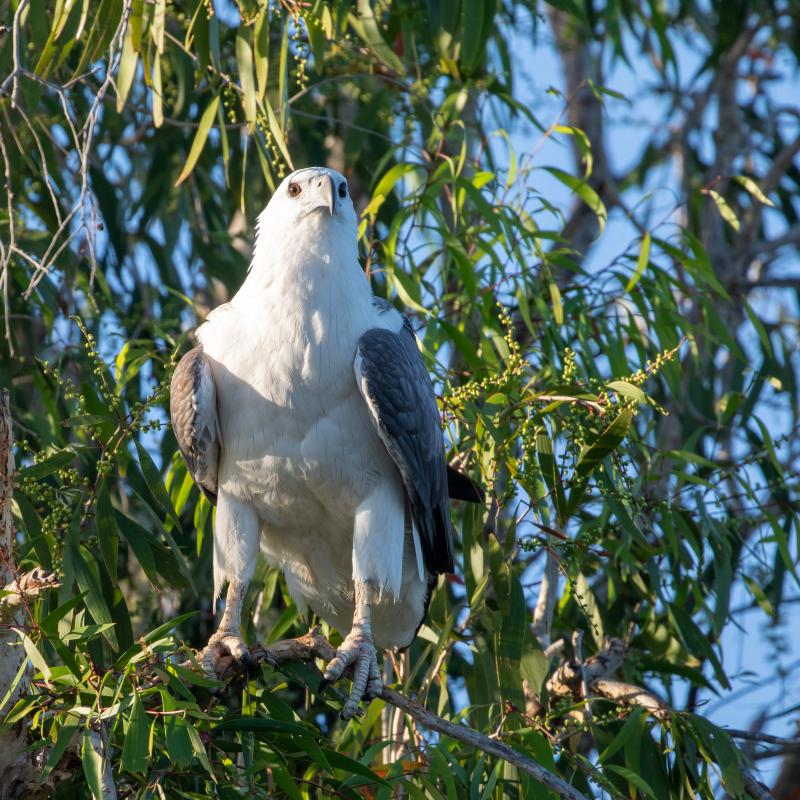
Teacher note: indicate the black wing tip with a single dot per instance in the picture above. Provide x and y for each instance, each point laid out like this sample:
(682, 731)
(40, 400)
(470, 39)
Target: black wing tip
(210, 496)
(440, 556)
(462, 487)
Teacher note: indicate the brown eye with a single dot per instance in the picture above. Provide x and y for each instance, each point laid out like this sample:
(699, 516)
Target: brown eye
(294, 189)
(342, 190)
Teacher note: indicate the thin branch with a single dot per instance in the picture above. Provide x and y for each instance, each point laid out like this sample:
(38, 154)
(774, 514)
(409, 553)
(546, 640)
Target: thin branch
(766, 738)
(754, 787)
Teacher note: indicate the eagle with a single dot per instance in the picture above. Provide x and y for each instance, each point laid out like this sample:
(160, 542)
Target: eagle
(307, 416)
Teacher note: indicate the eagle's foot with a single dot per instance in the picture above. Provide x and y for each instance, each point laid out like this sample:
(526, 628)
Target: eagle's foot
(225, 643)
(357, 650)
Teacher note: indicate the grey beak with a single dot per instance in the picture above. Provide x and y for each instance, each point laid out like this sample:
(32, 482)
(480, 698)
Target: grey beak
(326, 193)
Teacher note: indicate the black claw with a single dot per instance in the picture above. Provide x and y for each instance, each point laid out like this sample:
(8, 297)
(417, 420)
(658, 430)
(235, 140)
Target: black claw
(323, 685)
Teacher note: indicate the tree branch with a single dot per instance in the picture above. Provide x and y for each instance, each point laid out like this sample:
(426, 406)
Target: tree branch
(311, 646)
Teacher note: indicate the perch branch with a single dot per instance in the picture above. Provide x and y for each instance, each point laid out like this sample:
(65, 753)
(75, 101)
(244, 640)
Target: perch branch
(577, 679)
(311, 646)
(629, 695)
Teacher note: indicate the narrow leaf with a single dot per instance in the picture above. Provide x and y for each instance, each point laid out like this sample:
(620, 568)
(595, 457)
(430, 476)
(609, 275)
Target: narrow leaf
(206, 121)
(641, 263)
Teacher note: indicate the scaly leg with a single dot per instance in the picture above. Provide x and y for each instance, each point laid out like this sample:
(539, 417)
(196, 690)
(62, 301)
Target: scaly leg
(228, 637)
(357, 649)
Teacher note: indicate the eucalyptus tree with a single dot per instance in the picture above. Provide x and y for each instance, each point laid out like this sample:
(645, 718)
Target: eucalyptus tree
(616, 370)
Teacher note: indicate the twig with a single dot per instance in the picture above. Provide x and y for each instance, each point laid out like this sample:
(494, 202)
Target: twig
(766, 738)
(754, 787)
(577, 649)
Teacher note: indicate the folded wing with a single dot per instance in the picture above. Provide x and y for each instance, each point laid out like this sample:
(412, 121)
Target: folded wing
(397, 388)
(193, 409)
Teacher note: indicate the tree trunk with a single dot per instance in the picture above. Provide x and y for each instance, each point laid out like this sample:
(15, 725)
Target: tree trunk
(19, 772)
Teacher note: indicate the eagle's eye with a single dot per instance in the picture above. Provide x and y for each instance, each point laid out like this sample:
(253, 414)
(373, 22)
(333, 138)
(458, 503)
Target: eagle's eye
(294, 189)
(342, 190)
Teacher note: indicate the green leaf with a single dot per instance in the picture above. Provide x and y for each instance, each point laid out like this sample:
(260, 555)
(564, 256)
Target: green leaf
(641, 263)
(155, 483)
(696, 642)
(628, 390)
(630, 728)
(725, 211)
(136, 748)
(587, 602)
(200, 751)
(179, 743)
(594, 453)
(759, 596)
(153, 636)
(277, 132)
(366, 26)
(64, 737)
(46, 467)
(723, 751)
(585, 192)
(206, 121)
(385, 185)
(92, 765)
(261, 49)
(244, 59)
(477, 21)
(157, 27)
(88, 583)
(550, 473)
(37, 659)
(635, 780)
(555, 299)
(263, 725)
(754, 189)
(340, 761)
(107, 531)
(127, 69)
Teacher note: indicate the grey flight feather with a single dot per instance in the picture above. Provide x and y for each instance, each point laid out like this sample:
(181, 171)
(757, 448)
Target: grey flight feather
(193, 409)
(395, 383)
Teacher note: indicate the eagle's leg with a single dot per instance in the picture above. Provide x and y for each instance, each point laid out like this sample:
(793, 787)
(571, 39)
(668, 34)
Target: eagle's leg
(236, 538)
(358, 650)
(228, 637)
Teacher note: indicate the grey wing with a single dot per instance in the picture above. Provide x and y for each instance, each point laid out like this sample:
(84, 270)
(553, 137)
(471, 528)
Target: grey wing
(193, 409)
(395, 383)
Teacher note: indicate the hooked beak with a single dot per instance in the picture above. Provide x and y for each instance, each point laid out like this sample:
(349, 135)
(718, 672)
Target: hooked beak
(325, 193)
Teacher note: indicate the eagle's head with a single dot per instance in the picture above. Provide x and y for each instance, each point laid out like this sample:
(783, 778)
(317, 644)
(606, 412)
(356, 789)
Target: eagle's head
(310, 210)
(310, 194)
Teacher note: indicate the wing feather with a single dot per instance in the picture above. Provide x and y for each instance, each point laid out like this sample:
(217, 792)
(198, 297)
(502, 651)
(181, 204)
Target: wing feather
(397, 388)
(193, 409)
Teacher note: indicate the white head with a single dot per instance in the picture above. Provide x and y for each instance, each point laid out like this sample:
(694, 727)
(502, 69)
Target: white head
(311, 213)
